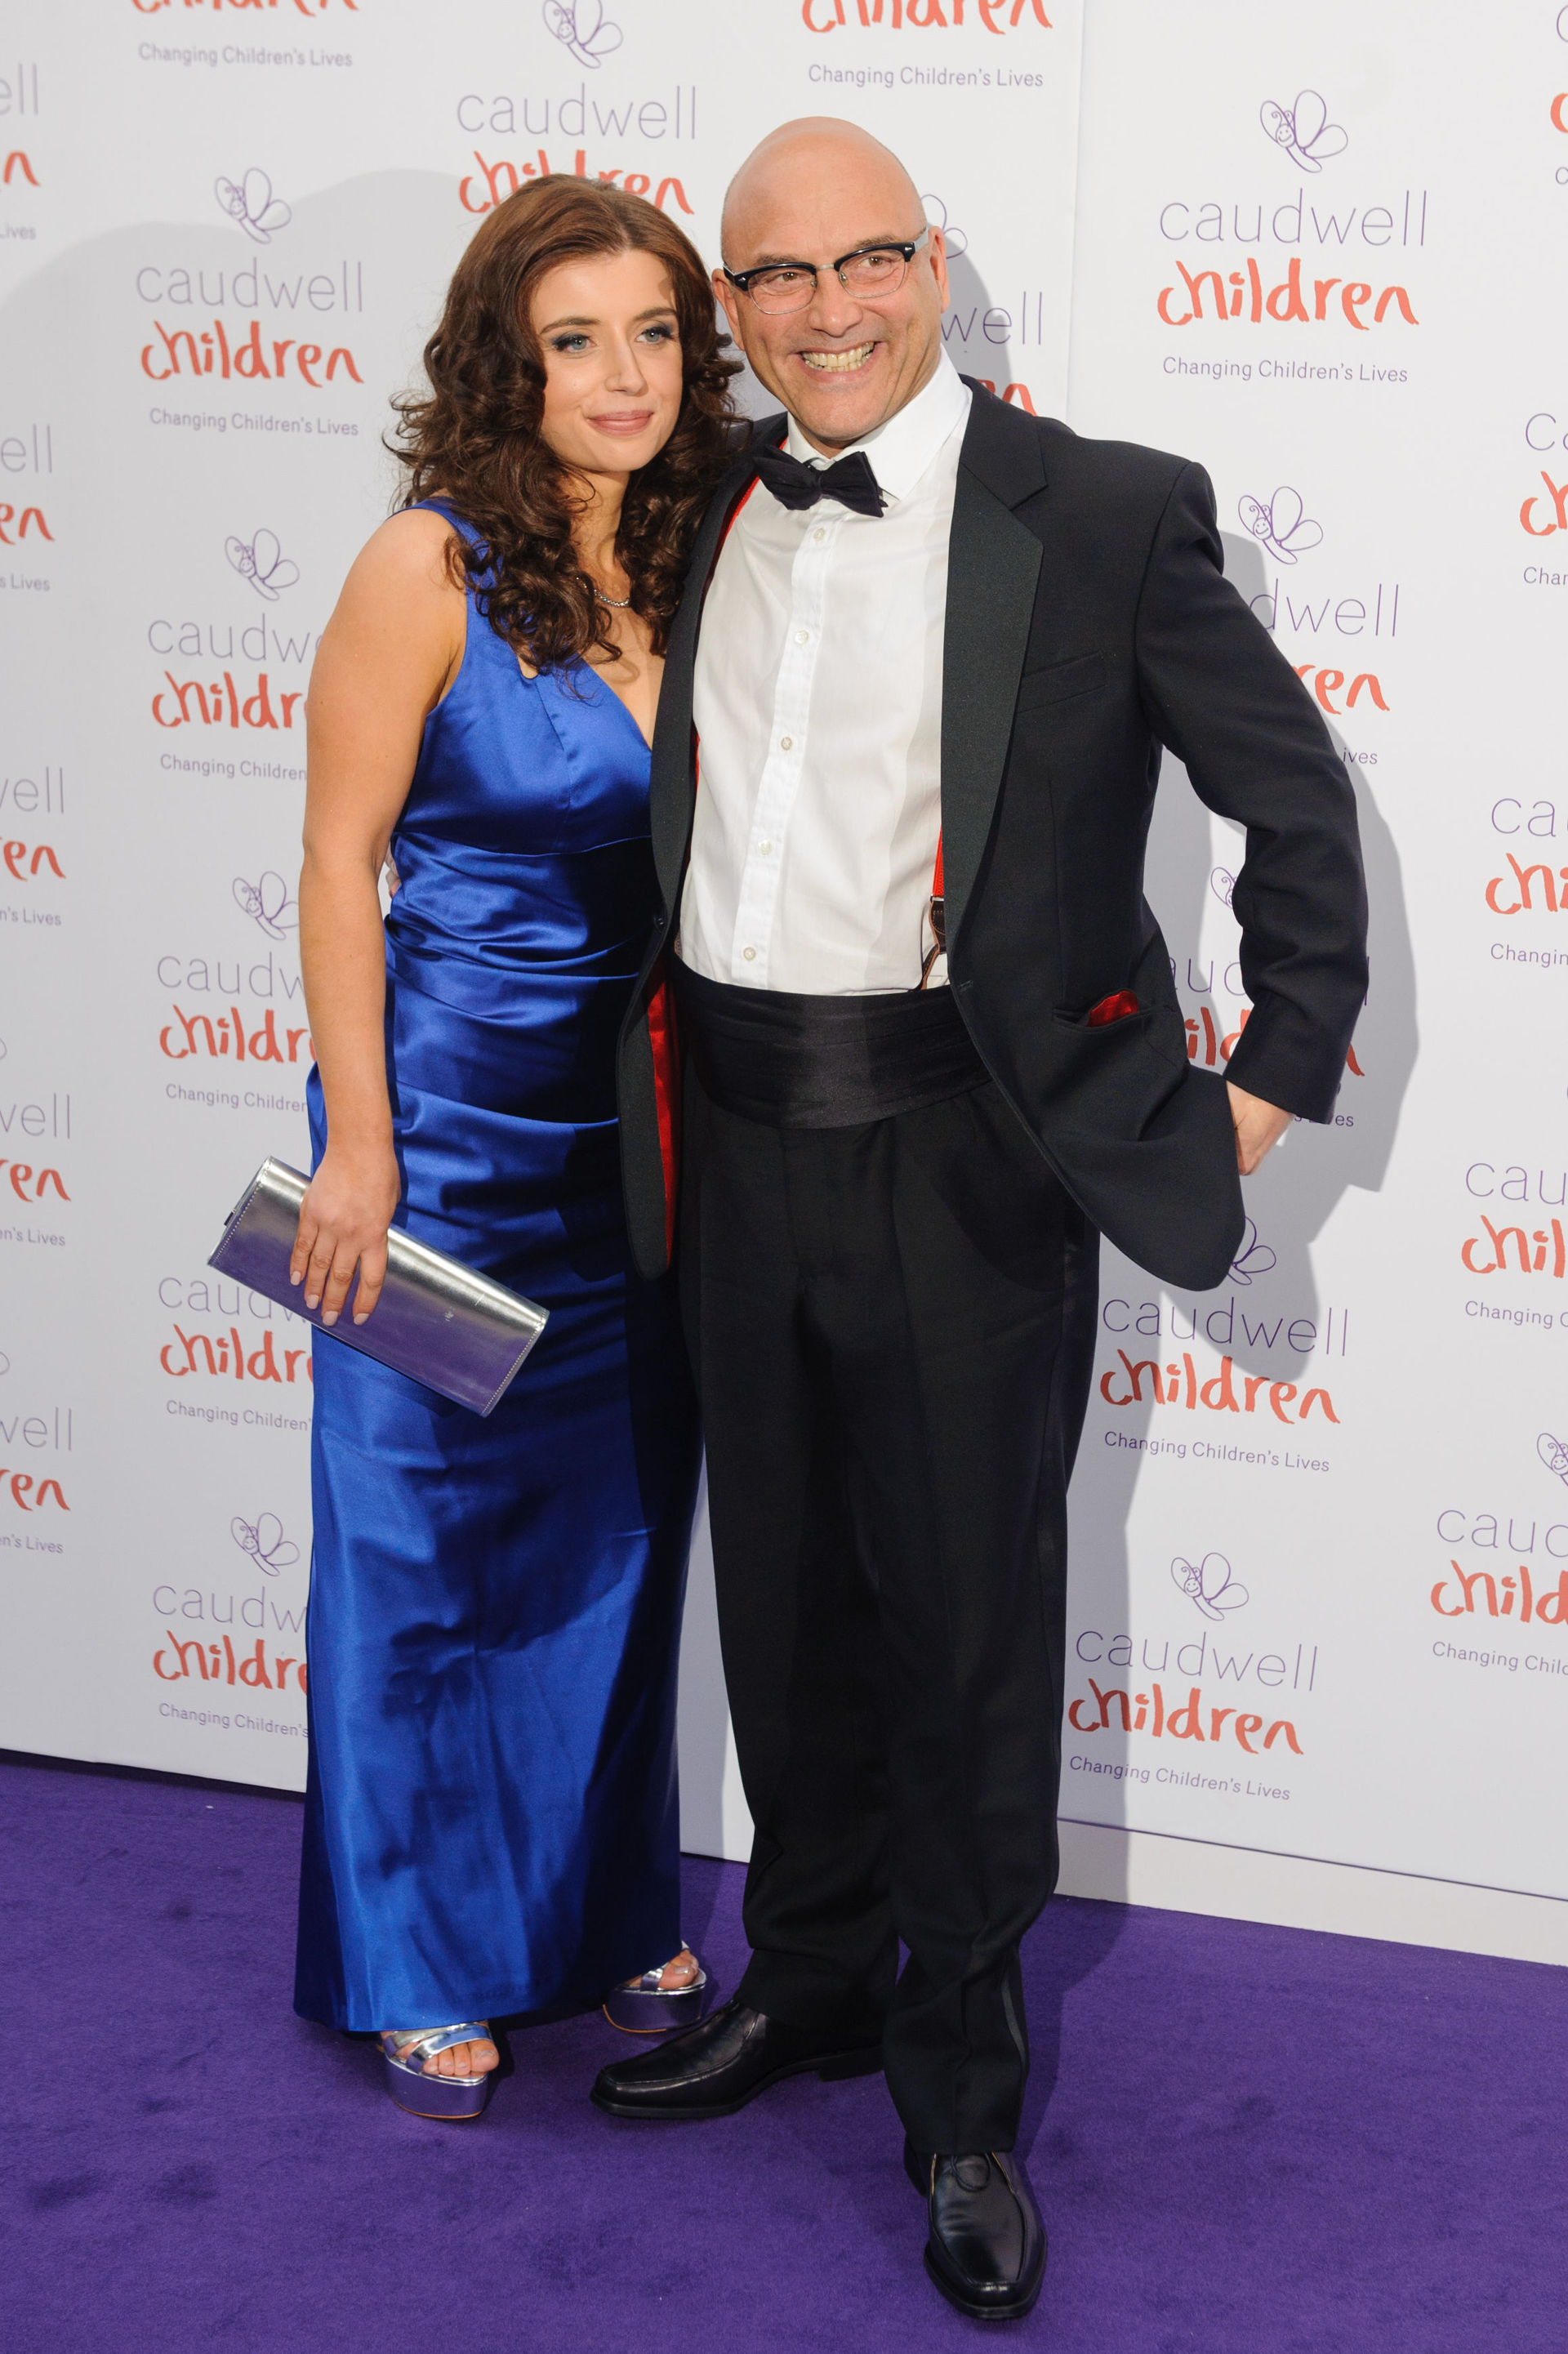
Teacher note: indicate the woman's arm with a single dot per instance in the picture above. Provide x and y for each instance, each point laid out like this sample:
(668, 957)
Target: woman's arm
(390, 651)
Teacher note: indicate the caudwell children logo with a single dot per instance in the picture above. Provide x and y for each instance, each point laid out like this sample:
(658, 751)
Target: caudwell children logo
(261, 561)
(196, 1034)
(187, 703)
(220, 1663)
(923, 16)
(24, 861)
(1535, 1250)
(29, 1495)
(1208, 1584)
(1282, 524)
(204, 1353)
(1540, 518)
(30, 1184)
(501, 178)
(1304, 131)
(1480, 1593)
(1554, 1455)
(1532, 890)
(30, 519)
(1242, 299)
(250, 202)
(17, 169)
(1180, 1383)
(207, 351)
(1150, 1711)
(582, 26)
(301, 7)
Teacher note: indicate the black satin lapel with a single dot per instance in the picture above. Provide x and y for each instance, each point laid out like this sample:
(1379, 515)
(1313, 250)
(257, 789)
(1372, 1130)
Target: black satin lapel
(672, 780)
(993, 570)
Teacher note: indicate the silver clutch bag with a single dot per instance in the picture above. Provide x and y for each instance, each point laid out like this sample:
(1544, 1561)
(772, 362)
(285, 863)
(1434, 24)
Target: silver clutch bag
(436, 1321)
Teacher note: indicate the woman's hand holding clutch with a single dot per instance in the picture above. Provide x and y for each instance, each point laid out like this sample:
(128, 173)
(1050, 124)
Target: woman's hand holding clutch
(343, 1225)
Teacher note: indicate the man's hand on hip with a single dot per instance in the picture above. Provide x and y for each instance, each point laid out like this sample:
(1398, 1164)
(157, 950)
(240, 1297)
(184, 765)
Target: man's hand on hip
(1258, 1125)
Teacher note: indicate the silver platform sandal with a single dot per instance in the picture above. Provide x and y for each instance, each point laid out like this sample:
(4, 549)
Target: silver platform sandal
(436, 2096)
(646, 2008)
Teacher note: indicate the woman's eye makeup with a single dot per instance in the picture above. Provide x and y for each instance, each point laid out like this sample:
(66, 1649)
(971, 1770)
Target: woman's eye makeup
(573, 341)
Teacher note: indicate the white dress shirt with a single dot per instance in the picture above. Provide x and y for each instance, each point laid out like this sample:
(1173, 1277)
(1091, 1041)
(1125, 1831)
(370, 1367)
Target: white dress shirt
(818, 705)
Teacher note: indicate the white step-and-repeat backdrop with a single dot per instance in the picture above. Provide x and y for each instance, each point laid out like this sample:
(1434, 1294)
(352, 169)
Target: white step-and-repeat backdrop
(1320, 1582)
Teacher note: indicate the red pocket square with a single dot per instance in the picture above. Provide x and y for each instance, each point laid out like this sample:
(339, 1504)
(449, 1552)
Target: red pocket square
(1111, 1009)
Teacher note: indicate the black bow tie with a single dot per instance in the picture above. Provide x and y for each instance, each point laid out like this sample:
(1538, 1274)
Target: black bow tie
(849, 480)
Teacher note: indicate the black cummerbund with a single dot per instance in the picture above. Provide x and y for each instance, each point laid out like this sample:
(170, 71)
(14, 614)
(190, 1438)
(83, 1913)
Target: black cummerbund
(790, 1061)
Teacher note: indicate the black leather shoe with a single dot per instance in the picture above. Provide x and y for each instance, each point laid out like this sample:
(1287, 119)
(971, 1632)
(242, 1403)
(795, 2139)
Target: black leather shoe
(986, 2250)
(715, 2067)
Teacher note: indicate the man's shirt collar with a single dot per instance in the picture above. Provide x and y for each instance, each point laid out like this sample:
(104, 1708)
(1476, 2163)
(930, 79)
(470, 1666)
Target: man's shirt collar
(901, 449)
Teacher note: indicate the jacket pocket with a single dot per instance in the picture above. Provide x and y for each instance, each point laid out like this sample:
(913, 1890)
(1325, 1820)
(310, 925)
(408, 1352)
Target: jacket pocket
(1082, 675)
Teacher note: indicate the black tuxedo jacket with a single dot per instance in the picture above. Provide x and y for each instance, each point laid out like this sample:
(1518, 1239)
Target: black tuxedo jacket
(1088, 623)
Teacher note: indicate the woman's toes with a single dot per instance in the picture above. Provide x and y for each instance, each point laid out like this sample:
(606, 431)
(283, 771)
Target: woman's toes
(680, 1972)
(475, 2059)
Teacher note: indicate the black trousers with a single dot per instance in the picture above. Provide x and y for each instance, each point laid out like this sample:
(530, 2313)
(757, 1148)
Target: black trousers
(893, 1328)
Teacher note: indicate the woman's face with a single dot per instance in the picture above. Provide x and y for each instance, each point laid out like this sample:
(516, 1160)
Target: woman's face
(611, 343)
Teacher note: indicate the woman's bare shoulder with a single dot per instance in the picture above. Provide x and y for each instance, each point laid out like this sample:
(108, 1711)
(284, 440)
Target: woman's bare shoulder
(409, 555)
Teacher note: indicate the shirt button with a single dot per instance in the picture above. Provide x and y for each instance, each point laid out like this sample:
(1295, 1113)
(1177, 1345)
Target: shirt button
(750, 955)
(802, 637)
(819, 533)
(766, 848)
(785, 743)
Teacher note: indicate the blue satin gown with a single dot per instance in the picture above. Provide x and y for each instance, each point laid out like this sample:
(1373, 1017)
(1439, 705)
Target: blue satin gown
(490, 1821)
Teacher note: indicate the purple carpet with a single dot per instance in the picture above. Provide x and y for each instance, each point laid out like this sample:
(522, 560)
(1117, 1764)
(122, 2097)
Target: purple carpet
(1241, 2139)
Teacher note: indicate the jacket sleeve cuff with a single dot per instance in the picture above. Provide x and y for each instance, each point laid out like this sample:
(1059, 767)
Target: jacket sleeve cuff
(1288, 1060)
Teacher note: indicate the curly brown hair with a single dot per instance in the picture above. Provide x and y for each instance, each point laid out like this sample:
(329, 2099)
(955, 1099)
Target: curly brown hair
(476, 441)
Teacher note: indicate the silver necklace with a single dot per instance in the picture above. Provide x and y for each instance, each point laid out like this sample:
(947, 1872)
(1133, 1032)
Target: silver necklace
(619, 603)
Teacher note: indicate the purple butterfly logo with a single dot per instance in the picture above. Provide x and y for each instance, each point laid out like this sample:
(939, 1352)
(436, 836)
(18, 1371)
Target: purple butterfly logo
(1208, 1584)
(1285, 530)
(262, 562)
(252, 203)
(955, 239)
(265, 1542)
(267, 903)
(1553, 1454)
(580, 25)
(1304, 129)
(1222, 883)
(1253, 1260)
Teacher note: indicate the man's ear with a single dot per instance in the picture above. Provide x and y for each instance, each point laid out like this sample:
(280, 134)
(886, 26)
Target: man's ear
(729, 302)
(938, 255)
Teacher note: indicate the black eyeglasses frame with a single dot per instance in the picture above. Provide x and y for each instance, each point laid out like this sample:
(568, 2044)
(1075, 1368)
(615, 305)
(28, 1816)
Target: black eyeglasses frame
(741, 279)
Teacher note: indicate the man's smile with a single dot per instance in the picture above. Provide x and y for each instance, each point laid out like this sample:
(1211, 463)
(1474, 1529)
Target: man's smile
(837, 363)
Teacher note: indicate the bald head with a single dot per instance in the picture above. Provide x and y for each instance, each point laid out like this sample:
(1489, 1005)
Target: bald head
(816, 152)
(814, 193)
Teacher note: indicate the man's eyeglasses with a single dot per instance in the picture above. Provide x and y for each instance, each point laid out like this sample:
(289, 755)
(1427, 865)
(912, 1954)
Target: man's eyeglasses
(870, 270)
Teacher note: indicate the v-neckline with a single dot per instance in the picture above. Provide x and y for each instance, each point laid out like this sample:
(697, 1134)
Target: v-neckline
(532, 678)
(646, 741)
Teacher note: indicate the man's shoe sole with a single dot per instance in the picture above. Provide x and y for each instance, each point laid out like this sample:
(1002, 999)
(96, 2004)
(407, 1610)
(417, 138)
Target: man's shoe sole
(977, 2308)
(831, 2069)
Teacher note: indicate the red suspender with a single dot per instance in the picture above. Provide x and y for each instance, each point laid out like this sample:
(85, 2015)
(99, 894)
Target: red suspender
(938, 919)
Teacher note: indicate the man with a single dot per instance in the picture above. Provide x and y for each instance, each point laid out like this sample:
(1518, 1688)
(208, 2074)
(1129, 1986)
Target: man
(930, 650)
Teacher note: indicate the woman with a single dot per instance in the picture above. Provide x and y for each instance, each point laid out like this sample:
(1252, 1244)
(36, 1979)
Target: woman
(491, 1822)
